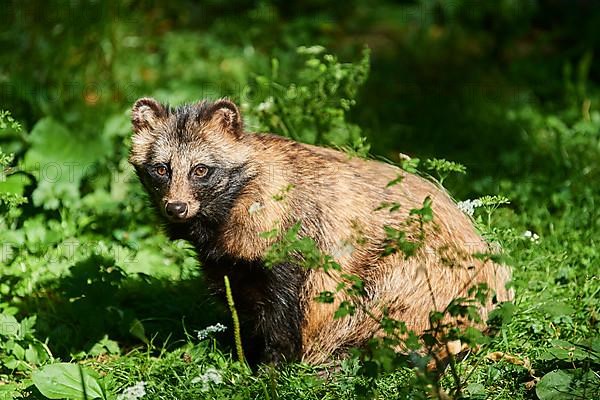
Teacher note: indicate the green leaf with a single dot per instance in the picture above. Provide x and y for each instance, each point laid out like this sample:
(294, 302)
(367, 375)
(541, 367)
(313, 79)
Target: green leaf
(566, 351)
(567, 385)
(554, 386)
(425, 212)
(17, 350)
(325, 297)
(104, 346)
(557, 309)
(441, 165)
(36, 354)
(393, 206)
(31, 355)
(410, 165)
(9, 326)
(395, 181)
(14, 184)
(66, 381)
(27, 326)
(59, 160)
(9, 391)
(476, 390)
(345, 308)
(137, 329)
(502, 314)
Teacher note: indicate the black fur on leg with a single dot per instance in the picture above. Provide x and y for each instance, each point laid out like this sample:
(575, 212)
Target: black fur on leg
(268, 301)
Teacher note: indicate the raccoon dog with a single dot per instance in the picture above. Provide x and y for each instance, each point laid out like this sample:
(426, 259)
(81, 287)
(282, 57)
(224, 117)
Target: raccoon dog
(219, 187)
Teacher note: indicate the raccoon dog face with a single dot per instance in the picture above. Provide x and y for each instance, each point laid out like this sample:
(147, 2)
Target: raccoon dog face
(191, 159)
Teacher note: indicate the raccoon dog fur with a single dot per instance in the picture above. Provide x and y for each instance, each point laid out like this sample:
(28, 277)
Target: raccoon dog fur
(219, 187)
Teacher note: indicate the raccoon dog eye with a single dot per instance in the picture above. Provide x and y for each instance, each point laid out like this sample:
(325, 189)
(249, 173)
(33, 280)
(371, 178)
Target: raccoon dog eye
(161, 170)
(200, 171)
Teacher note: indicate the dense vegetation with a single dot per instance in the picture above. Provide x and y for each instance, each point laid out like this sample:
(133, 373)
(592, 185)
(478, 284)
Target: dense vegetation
(508, 89)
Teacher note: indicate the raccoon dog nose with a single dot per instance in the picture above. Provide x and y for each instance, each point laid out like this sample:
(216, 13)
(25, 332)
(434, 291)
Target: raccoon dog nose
(176, 209)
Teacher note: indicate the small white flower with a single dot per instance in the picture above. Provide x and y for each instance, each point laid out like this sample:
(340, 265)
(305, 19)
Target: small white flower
(466, 207)
(532, 236)
(211, 376)
(209, 330)
(134, 392)
(266, 105)
(469, 206)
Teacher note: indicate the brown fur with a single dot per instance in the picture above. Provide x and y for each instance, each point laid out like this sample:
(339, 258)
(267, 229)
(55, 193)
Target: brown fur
(335, 197)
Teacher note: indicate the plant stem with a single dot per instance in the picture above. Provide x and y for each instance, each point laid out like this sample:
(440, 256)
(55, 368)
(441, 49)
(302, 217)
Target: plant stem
(236, 321)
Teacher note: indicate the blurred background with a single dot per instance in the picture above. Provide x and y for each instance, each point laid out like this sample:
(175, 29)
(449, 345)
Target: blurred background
(443, 73)
(508, 88)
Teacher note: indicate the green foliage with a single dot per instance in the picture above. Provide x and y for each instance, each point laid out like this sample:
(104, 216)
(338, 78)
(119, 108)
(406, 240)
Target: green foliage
(59, 163)
(489, 204)
(8, 122)
(314, 107)
(410, 165)
(291, 246)
(20, 350)
(11, 190)
(444, 167)
(576, 379)
(396, 241)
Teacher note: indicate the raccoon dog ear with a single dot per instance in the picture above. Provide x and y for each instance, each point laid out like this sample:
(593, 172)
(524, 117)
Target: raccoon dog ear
(226, 116)
(145, 113)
